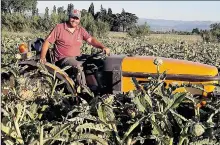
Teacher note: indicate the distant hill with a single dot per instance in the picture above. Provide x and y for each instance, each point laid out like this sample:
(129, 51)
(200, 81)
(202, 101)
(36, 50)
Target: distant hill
(168, 25)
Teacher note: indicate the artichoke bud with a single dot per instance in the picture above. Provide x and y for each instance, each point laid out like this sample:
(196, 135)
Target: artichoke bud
(108, 99)
(158, 61)
(18, 56)
(21, 80)
(198, 129)
(131, 112)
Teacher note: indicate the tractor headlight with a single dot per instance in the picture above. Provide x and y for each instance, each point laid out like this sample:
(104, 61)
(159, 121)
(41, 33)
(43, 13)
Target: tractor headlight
(23, 48)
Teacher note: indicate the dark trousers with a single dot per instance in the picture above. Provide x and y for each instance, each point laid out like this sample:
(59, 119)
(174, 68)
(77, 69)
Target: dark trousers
(77, 65)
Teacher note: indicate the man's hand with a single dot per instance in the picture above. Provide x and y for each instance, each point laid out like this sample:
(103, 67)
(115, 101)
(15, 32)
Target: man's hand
(107, 50)
(43, 60)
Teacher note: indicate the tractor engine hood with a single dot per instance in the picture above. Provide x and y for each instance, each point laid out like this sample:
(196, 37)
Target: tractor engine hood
(175, 67)
(178, 71)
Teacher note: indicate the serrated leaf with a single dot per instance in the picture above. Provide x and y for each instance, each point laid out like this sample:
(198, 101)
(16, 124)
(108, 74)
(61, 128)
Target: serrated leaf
(76, 143)
(101, 113)
(178, 98)
(148, 99)
(57, 130)
(137, 102)
(11, 132)
(92, 137)
(97, 127)
(131, 128)
(9, 142)
(178, 115)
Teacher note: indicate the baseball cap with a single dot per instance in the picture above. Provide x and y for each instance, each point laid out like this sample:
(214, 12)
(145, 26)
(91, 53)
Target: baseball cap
(75, 13)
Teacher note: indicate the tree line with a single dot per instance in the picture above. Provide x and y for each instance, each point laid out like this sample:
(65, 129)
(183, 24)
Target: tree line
(23, 15)
(212, 35)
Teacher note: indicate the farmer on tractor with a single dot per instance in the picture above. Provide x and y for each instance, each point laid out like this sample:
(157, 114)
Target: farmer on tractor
(68, 38)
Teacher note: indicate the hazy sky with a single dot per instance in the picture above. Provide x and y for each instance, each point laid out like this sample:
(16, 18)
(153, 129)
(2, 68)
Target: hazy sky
(170, 10)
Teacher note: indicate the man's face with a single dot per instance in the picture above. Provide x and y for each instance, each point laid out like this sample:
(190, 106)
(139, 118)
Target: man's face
(74, 21)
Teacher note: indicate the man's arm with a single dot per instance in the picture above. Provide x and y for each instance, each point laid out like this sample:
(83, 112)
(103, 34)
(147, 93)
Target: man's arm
(50, 39)
(44, 50)
(94, 42)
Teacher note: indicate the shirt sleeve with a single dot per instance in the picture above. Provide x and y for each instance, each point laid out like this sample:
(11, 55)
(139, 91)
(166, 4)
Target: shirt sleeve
(85, 34)
(53, 35)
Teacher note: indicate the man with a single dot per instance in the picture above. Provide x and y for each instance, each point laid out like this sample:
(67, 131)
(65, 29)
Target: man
(68, 38)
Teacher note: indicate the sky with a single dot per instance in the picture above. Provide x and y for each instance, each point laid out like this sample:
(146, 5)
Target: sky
(169, 10)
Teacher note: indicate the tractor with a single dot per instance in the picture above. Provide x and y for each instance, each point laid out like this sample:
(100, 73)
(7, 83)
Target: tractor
(113, 74)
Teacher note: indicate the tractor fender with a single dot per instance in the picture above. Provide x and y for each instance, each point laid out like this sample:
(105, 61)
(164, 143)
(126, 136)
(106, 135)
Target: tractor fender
(51, 68)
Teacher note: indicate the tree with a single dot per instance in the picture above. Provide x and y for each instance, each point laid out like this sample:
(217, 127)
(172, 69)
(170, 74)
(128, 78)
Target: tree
(110, 12)
(131, 20)
(215, 30)
(211, 35)
(127, 20)
(116, 22)
(9, 6)
(103, 14)
(37, 12)
(34, 8)
(54, 9)
(6, 6)
(91, 9)
(70, 7)
(123, 20)
(46, 14)
(195, 31)
(139, 31)
(60, 10)
(83, 12)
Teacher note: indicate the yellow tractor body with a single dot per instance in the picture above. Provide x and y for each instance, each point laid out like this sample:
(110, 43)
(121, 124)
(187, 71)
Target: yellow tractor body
(178, 71)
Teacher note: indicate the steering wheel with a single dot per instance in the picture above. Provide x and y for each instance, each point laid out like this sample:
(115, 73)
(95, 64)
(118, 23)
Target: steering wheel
(97, 55)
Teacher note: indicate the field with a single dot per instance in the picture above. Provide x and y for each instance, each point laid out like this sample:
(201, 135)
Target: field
(32, 114)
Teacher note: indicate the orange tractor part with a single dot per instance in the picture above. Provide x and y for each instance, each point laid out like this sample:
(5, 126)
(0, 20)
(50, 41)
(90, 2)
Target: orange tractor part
(179, 71)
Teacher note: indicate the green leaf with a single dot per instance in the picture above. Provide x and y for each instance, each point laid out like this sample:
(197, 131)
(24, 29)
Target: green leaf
(12, 133)
(90, 136)
(148, 99)
(87, 116)
(92, 126)
(212, 115)
(9, 142)
(76, 143)
(41, 135)
(178, 98)
(135, 82)
(178, 115)
(101, 113)
(131, 128)
(157, 129)
(139, 105)
(205, 142)
(19, 108)
(57, 130)
(109, 114)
